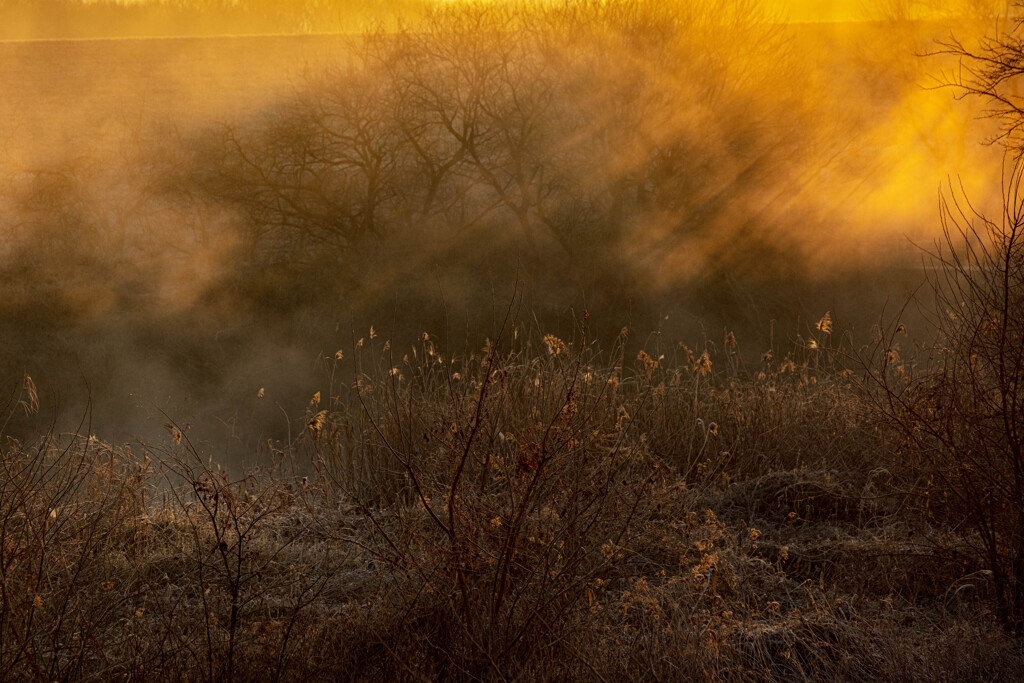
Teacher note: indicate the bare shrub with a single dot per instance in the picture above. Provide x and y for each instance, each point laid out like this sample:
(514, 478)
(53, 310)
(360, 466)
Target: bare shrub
(66, 505)
(521, 493)
(964, 411)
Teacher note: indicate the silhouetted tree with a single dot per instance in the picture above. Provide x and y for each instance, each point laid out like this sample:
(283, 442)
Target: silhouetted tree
(567, 132)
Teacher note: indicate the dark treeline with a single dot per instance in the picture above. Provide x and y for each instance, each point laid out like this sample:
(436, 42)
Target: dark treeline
(53, 19)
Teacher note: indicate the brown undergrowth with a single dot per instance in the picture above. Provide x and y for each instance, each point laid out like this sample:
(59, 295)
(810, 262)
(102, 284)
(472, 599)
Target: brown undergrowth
(541, 509)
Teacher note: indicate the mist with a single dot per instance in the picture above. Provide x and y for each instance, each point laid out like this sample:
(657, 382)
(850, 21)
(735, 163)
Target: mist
(195, 226)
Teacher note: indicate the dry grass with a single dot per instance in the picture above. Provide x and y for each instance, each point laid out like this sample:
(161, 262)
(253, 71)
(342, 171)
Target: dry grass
(539, 510)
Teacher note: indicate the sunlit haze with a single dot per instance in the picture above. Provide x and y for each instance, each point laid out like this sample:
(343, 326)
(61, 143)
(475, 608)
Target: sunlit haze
(268, 174)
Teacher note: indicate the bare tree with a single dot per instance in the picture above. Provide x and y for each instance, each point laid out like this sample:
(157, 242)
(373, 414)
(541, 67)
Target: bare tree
(554, 130)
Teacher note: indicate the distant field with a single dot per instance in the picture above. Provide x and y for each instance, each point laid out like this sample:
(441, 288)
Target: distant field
(60, 96)
(62, 93)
